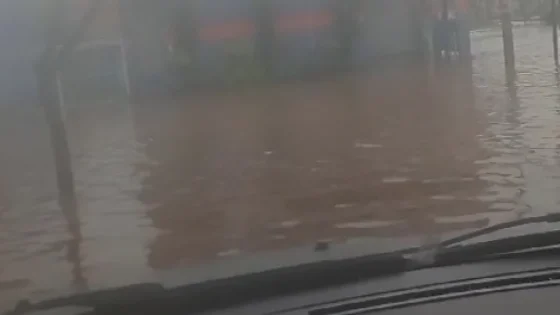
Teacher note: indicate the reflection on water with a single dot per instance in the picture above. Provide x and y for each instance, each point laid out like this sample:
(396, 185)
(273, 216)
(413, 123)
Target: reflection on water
(328, 155)
(399, 152)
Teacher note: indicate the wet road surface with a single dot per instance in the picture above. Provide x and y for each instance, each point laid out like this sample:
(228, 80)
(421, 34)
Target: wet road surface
(399, 152)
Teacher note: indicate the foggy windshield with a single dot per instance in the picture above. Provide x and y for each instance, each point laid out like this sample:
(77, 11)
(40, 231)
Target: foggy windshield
(140, 136)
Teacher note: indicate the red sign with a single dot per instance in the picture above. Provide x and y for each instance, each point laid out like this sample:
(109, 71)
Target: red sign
(454, 5)
(228, 30)
(304, 21)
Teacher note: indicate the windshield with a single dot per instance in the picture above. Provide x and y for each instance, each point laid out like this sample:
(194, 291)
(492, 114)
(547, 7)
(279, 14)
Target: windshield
(140, 137)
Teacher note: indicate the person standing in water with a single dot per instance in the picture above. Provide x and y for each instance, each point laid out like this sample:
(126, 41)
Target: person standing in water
(453, 32)
(446, 29)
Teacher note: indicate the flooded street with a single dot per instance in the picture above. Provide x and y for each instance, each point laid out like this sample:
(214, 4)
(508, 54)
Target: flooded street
(397, 153)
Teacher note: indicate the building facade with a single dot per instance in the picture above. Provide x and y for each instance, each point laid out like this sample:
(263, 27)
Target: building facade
(522, 10)
(387, 27)
(98, 65)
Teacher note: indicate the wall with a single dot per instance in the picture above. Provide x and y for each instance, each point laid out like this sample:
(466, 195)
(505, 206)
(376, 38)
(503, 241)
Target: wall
(144, 24)
(21, 37)
(392, 26)
(105, 26)
(94, 70)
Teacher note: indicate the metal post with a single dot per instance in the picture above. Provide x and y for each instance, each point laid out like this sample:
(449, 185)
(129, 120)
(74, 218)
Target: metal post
(124, 50)
(488, 10)
(464, 20)
(555, 30)
(445, 22)
(124, 66)
(50, 97)
(507, 33)
(428, 33)
(61, 99)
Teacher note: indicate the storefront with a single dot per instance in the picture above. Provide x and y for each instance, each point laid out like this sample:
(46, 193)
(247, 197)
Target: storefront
(388, 28)
(305, 35)
(232, 40)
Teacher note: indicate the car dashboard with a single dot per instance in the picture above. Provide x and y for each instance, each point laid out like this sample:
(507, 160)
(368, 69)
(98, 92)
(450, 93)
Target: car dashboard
(493, 287)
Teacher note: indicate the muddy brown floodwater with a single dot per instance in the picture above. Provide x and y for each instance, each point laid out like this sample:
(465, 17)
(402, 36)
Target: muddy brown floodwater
(399, 152)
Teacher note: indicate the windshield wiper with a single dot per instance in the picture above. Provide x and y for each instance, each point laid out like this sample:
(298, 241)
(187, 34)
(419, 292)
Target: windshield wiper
(450, 251)
(223, 293)
(229, 292)
(549, 218)
(536, 245)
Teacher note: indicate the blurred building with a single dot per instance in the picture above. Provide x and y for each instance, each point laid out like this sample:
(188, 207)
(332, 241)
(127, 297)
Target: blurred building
(105, 26)
(488, 10)
(98, 66)
(387, 27)
(140, 29)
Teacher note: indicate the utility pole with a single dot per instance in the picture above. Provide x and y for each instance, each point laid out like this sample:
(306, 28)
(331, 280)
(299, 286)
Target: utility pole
(445, 22)
(554, 17)
(46, 71)
(489, 10)
(50, 62)
(507, 34)
(50, 98)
